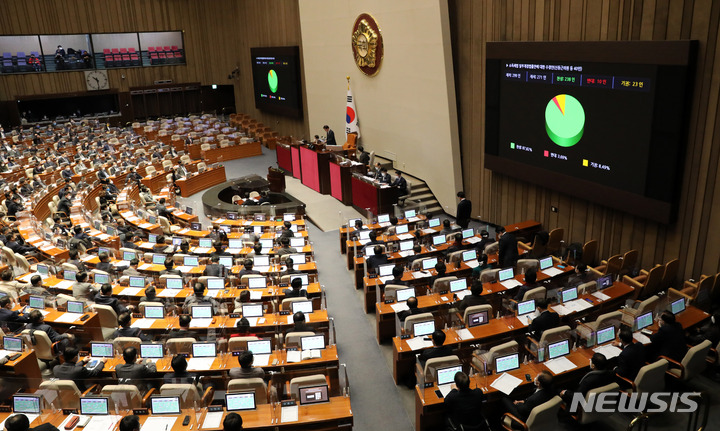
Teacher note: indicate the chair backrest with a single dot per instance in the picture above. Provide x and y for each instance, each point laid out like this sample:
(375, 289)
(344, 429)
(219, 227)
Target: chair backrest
(180, 345)
(69, 266)
(164, 224)
(648, 304)
(652, 282)
(433, 364)
(614, 317)
(286, 303)
(68, 392)
(589, 417)
(489, 275)
(476, 309)
(293, 338)
(391, 290)
(236, 344)
(417, 263)
(694, 361)
(455, 256)
(524, 264)
(123, 396)
(299, 382)
(552, 334)
(150, 170)
(671, 269)
(142, 305)
(651, 377)
(256, 383)
(371, 162)
(613, 265)
(545, 416)
(492, 248)
(589, 252)
(556, 237)
(536, 293)
(108, 317)
(61, 299)
(187, 392)
(410, 320)
(588, 287)
(121, 343)
(442, 284)
(629, 261)
(42, 346)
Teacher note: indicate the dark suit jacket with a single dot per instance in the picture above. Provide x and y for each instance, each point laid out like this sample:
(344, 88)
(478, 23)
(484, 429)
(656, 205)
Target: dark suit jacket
(630, 360)
(112, 302)
(471, 300)
(51, 333)
(135, 371)
(434, 352)
(330, 137)
(130, 332)
(507, 250)
(291, 293)
(364, 158)
(375, 261)
(593, 379)
(464, 210)
(668, 341)
(214, 270)
(463, 407)
(539, 397)
(546, 320)
(77, 372)
(14, 319)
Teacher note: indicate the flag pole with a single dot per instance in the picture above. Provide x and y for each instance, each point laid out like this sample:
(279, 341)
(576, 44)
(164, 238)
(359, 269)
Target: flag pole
(348, 79)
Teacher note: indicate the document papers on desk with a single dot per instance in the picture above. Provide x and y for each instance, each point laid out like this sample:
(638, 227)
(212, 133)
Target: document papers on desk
(169, 293)
(462, 294)
(641, 338)
(473, 240)
(289, 414)
(472, 263)
(505, 384)
(102, 422)
(421, 274)
(387, 278)
(145, 266)
(261, 360)
(406, 253)
(601, 296)
(131, 291)
(255, 294)
(201, 250)
(526, 319)
(298, 356)
(143, 323)
(509, 284)
(200, 364)
(400, 306)
(608, 350)
(465, 334)
(65, 284)
(212, 420)
(552, 271)
(560, 365)
(445, 389)
(405, 236)
(154, 423)
(418, 343)
(200, 323)
(428, 231)
(68, 317)
(576, 306)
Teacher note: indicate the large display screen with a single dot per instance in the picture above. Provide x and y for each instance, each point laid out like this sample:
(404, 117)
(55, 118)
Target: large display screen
(276, 79)
(604, 121)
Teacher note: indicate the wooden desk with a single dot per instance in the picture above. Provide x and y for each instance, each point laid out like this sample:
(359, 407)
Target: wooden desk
(23, 372)
(155, 182)
(340, 180)
(315, 169)
(191, 185)
(284, 157)
(345, 229)
(232, 152)
(378, 200)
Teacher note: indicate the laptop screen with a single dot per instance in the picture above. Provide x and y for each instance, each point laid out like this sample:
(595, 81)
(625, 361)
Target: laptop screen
(36, 302)
(297, 242)
(111, 231)
(103, 250)
(201, 311)
(190, 261)
(226, 261)
(406, 245)
(604, 281)
(165, 405)
(188, 210)
(446, 375)
(252, 310)
(410, 213)
(240, 401)
(458, 285)
(677, 306)
(215, 283)
(69, 275)
(75, 307)
(94, 406)
(137, 281)
(313, 342)
(351, 222)
(152, 238)
(302, 307)
(158, 259)
(469, 255)
(13, 344)
(196, 226)
(303, 277)
(506, 274)
(606, 334)
(154, 312)
(205, 242)
(384, 218)
(151, 351)
(570, 294)
(298, 259)
(313, 395)
(434, 222)
(43, 269)
(232, 216)
(526, 307)
(268, 243)
(423, 328)
(102, 278)
(385, 270)
(561, 348)
(289, 217)
(101, 350)
(203, 350)
(235, 243)
(152, 220)
(401, 229)
(478, 319)
(546, 262)
(176, 241)
(404, 294)
(173, 283)
(429, 263)
(257, 282)
(262, 260)
(507, 363)
(129, 255)
(644, 320)
(438, 239)
(467, 233)
(26, 404)
(259, 347)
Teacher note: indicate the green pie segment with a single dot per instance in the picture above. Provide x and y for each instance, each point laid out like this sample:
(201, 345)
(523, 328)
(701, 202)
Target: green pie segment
(564, 120)
(273, 81)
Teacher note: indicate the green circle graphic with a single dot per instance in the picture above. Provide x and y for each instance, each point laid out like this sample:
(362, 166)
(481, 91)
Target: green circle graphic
(273, 81)
(564, 120)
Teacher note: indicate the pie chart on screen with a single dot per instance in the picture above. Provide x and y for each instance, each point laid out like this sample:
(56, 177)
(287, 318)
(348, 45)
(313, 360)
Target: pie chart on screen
(273, 81)
(564, 120)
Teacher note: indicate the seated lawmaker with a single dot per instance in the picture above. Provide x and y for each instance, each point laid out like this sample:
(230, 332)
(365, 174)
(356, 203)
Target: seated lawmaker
(76, 370)
(669, 340)
(545, 320)
(543, 393)
(246, 369)
(296, 290)
(135, 369)
(598, 376)
(438, 350)
(463, 405)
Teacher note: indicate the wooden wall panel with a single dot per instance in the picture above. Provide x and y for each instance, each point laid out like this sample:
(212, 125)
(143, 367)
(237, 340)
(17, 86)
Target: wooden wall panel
(218, 35)
(503, 200)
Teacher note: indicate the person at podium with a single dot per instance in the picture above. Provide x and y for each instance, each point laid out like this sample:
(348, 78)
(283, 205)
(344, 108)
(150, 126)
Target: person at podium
(330, 139)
